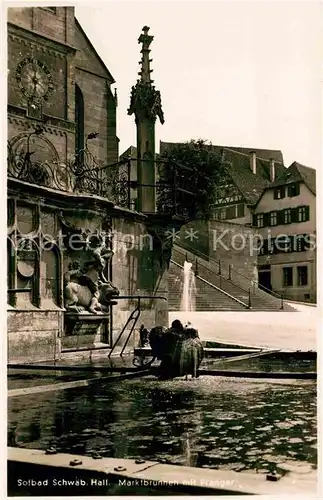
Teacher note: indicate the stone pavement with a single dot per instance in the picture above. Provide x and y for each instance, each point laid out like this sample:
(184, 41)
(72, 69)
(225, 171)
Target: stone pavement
(281, 330)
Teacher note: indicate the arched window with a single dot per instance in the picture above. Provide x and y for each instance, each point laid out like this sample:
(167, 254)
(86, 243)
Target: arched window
(49, 276)
(79, 120)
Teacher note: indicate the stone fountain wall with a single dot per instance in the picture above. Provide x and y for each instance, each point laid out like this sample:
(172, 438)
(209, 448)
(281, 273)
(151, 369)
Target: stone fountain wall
(36, 317)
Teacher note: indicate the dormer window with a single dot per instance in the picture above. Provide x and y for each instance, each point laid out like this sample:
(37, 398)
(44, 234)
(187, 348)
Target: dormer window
(293, 190)
(279, 193)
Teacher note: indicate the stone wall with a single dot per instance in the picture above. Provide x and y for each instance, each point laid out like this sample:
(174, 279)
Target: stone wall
(224, 242)
(235, 245)
(33, 335)
(137, 271)
(36, 316)
(53, 37)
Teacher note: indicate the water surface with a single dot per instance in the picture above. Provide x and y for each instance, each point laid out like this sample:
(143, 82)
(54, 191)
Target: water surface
(216, 422)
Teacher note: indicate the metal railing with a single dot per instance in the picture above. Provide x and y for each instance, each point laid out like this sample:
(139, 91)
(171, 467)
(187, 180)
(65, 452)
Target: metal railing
(228, 274)
(33, 159)
(133, 317)
(235, 299)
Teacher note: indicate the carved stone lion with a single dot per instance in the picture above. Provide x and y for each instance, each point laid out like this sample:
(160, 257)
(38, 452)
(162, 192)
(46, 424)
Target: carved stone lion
(87, 289)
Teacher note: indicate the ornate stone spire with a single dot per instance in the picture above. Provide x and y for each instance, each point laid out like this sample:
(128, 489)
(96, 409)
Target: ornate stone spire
(146, 40)
(145, 104)
(145, 99)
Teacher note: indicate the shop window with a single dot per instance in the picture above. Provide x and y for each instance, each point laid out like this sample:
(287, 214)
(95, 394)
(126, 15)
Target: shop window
(287, 276)
(302, 276)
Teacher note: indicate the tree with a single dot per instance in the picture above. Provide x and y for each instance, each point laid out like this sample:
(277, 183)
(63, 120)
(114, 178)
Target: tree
(188, 176)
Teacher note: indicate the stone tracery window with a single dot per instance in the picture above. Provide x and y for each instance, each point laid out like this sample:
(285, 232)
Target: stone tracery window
(49, 276)
(27, 273)
(79, 120)
(33, 269)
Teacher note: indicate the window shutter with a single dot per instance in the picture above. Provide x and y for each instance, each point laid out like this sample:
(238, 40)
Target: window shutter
(280, 217)
(254, 220)
(275, 194)
(266, 219)
(240, 210)
(231, 212)
(307, 213)
(294, 214)
(297, 189)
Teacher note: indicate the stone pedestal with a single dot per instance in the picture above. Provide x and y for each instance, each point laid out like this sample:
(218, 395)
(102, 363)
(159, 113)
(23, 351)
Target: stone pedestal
(85, 330)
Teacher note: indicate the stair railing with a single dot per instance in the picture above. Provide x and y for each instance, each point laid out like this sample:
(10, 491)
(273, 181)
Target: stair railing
(219, 289)
(218, 273)
(133, 318)
(233, 275)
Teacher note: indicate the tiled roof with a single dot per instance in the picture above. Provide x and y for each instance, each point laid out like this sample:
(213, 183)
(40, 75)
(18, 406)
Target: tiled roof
(251, 185)
(296, 173)
(264, 154)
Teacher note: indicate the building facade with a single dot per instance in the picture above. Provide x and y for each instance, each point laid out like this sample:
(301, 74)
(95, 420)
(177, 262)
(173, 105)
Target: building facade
(285, 217)
(62, 208)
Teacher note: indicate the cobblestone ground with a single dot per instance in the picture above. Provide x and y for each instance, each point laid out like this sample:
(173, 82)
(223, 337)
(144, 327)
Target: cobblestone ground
(279, 330)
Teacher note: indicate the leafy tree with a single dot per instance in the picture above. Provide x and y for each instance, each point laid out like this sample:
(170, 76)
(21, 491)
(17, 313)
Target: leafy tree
(188, 176)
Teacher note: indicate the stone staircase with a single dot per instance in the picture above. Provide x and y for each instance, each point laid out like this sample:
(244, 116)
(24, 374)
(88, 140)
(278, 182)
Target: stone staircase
(208, 297)
(237, 286)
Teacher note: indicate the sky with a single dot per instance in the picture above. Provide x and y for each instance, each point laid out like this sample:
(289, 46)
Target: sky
(236, 73)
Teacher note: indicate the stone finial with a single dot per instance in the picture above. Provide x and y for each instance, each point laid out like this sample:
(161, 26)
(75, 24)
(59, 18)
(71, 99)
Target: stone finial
(145, 40)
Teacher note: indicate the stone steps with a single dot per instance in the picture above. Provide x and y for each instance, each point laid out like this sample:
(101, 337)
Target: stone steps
(208, 301)
(207, 297)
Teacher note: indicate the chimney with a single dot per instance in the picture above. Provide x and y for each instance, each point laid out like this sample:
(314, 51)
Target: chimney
(253, 161)
(272, 170)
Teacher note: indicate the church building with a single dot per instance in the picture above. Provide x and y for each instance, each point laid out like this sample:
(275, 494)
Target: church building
(62, 204)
